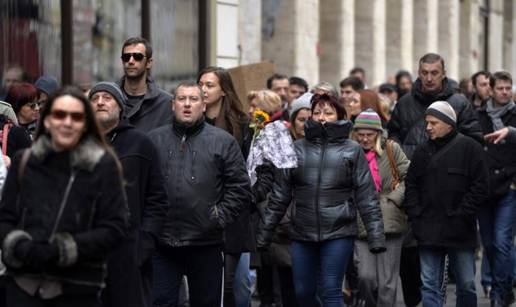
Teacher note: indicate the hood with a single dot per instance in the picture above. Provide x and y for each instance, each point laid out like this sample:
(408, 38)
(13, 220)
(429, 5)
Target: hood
(428, 98)
(331, 132)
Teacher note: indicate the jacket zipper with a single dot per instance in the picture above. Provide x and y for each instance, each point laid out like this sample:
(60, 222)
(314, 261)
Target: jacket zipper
(317, 213)
(63, 204)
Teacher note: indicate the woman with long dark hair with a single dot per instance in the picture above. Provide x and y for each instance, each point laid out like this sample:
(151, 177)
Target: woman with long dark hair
(63, 209)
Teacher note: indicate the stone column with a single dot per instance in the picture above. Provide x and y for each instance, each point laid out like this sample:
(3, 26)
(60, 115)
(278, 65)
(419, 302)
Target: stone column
(508, 36)
(407, 34)
(399, 35)
(370, 39)
(496, 36)
(425, 28)
(470, 44)
(449, 36)
(250, 31)
(336, 39)
(290, 36)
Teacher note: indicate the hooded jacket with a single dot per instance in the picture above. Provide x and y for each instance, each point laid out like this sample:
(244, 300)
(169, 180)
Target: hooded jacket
(331, 183)
(86, 182)
(206, 182)
(407, 125)
(153, 111)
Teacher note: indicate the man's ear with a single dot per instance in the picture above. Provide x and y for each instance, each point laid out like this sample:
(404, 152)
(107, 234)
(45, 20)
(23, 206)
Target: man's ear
(149, 63)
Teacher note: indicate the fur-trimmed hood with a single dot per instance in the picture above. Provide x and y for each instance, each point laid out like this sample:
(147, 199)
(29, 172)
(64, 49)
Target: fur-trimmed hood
(85, 156)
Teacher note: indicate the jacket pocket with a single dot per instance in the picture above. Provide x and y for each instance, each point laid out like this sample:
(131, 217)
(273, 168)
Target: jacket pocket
(457, 179)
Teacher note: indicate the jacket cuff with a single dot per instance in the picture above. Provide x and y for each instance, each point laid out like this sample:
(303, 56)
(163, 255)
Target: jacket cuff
(9, 245)
(67, 249)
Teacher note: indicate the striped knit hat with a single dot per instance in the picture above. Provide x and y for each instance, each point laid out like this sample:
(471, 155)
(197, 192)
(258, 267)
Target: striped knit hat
(443, 111)
(368, 119)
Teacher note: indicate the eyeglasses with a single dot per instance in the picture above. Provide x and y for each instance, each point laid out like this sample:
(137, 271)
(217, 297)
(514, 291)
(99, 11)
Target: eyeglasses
(136, 56)
(60, 115)
(33, 104)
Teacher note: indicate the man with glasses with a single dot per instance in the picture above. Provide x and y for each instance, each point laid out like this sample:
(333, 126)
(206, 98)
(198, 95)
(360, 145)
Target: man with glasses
(147, 106)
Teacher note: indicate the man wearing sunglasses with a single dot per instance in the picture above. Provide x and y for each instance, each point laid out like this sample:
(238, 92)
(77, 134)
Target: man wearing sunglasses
(129, 267)
(147, 106)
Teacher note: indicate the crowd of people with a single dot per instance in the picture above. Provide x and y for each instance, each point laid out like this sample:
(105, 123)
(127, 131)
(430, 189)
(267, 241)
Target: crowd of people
(123, 194)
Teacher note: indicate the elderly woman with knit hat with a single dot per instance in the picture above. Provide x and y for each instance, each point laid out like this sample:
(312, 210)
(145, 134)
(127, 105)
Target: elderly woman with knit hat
(378, 273)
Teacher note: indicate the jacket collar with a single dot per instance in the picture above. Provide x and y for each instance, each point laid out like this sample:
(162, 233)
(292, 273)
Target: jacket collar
(429, 98)
(152, 88)
(331, 132)
(85, 156)
(182, 129)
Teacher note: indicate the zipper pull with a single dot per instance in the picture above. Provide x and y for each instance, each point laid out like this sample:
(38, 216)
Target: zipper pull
(182, 147)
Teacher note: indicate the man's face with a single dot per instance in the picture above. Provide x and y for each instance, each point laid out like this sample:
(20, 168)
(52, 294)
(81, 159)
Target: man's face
(106, 109)
(135, 62)
(431, 76)
(502, 92)
(482, 87)
(436, 128)
(280, 87)
(347, 93)
(188, 105)
(295, 91)
(12, 76)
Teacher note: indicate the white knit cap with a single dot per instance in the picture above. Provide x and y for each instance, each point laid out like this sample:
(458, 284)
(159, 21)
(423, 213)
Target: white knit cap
(443, 111)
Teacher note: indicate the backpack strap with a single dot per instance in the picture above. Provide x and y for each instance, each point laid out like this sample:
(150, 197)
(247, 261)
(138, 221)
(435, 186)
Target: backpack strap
(392, 162)
(5, 132)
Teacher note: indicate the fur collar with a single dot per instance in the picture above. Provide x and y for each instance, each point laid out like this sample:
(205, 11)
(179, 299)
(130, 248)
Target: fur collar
(85, 156)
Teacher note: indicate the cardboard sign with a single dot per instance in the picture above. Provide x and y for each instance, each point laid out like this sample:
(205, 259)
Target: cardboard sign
(251, 77)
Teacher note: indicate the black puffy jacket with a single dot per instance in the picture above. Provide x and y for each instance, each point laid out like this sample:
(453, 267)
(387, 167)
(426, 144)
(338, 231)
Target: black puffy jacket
(206, 182)
(408, 127)
(332, 180)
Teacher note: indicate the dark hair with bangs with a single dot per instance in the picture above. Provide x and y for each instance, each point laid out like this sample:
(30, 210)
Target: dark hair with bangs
(331, 101)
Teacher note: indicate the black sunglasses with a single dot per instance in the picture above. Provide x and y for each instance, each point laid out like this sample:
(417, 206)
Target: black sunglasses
(33, 104)
(61, 114)
(136, 56)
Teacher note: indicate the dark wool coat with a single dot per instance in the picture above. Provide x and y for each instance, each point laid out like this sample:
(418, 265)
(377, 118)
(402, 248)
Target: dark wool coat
(408, 127)
(501, 157)
(330, 184)
(206, 182)
(445, 184)
(153, 111)
(94, 219)
(129, 266)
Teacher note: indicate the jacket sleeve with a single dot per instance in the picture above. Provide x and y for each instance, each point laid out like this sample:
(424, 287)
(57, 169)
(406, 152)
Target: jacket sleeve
(367, 203)
(279, 201)
(156, 204)
(411, 185)
(237, 186)
(110, 224)
(394, 125)
(402, 164)
(478, 190)
(9, 215)
(265, 179)
(467, 122)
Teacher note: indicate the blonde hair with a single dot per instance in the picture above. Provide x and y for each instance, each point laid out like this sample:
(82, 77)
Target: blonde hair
(377, 144)
(267, 101)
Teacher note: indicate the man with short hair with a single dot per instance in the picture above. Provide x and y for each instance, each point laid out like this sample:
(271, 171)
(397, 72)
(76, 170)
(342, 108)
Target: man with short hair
(129, 280)
(498, 120)
(445, 185)
(280, 85)
(481, 88)
(147, 106)
(359, 73)
(349, 88)
(208, 187)
(407, 127)
(297, 87)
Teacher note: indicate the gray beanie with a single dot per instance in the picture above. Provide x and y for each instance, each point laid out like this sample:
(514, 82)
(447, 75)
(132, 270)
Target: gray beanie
(113, 89)
(47, 84)
(303, 102)
(443, 111)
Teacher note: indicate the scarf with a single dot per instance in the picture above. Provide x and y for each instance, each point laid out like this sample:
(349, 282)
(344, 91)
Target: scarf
(496, 114)
(373, 167)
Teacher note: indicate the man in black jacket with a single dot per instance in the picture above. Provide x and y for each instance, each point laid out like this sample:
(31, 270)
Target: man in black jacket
(498, 120)
(407, 127)
(129, 281)
(208, 187)
(446, 183)
(147, 107)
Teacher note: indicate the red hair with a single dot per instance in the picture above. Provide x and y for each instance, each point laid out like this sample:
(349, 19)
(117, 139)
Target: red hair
(370, 100)
(20, 94)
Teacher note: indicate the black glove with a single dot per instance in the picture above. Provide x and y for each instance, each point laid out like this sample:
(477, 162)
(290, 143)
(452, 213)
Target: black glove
(37, 254)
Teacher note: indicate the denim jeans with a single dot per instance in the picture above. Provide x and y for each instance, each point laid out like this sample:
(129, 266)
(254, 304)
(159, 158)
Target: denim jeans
(495, 221)
(323, 264)
(242, 281)
(462, 260)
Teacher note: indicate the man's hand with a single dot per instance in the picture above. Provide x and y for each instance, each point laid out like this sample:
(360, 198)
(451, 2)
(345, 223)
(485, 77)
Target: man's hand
(497, 136)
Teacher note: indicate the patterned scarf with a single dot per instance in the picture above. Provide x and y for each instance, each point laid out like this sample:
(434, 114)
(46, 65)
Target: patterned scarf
(373, 167)
(496, 114)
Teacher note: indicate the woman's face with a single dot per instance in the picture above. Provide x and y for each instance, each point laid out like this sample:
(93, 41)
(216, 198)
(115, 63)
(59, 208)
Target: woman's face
(66, 122)
(299, 122)
(28, 113)
(355, 105)
(213, 93)
(324, 113)
(366, 138)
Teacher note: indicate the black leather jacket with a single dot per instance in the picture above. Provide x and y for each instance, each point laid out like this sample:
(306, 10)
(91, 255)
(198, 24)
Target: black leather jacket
(206, 181)
(331, 182)
(408, 127)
